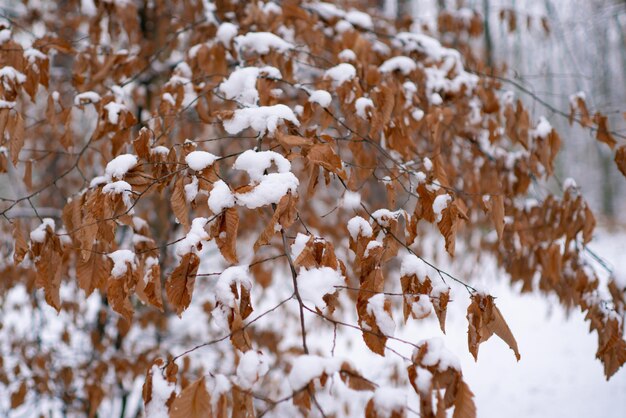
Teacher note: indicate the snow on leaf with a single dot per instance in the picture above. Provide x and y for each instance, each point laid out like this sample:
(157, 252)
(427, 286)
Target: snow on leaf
(315, 283)
(199, 160)
(263, 119)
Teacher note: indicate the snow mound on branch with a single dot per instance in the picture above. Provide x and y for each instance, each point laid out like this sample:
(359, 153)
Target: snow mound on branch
(341, 73)
(359, 18)
(440, 204)
(119, 187)
(255, 163)
(307, 367)
(241, 84)
(220, 197)
(161, 391)
(195, 236)
(199, 160)
(315, 283)
(121, 259)
(232, 276)
(120, 165)
(226, 32)
(113, 111)
(384, 321)
(359, 226)
(321, 97)
(438, 353)
(86, 97)
(401, 63)
(262, 119)
(39, 233)
(411, 265)
(251, 368)
(269, 188)
(361, 104)
(269, 191)
(262, 43)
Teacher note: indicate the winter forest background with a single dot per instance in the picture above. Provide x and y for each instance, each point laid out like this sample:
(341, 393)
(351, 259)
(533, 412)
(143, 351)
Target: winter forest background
(551, 51)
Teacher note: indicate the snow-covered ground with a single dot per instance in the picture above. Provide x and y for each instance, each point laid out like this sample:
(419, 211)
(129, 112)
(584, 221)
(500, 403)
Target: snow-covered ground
(558, 375)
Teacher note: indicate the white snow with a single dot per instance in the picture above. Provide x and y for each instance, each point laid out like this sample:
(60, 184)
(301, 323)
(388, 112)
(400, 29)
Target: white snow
(191, 189)
(199, 160)
(308, 367)
(351, 200)
(226, 32)
(411, 265)
(428, 164)
(341, 73)
(400, 63)
(359, 18)
(438, 354)
(262, 119)
(39, 234)
(423, 380)
(262, 43)
(569, 183)
(299, 244)
(195, 236)
(361, 104)
(251, 368)
(238, 276)
(347, 55)
(120, 187)
(161, 392)
(121, 260)
(5, 35)
(543, 128)
(220, 197)
(315, 283)
(10, 73)
(422, 307)
(120, 165)
(255, 163)
(241, 84)
(384, 321)
(359, 226)
(321, 97)
(270, 190)
(440, 204)
(86, 98)
(113, 111)
(4, 104)
(388, 400)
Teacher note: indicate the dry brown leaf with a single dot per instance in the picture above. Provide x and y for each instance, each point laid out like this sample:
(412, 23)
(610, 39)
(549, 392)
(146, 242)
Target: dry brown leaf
(92, 272)
(603, 134)
(21, 246)
(193, 402)
(464, 406)
(226, 236)
(485, 319)
(18, 397)
(620, 159)
(179, 203)
(324, 155)
(179, 286)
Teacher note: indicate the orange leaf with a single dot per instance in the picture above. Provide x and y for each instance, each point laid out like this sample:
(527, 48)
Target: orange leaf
(464, 406)
(193, 402)
(179, 286)
(485, 320)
